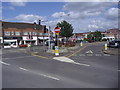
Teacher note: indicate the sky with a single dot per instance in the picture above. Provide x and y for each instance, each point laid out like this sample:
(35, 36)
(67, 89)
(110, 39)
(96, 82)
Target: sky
(84, 16)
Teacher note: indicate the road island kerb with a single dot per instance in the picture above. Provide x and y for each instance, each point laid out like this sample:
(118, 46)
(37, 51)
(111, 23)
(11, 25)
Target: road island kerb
(64, 51)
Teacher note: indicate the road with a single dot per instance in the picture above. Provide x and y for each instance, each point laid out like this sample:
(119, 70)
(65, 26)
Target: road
(90, 69)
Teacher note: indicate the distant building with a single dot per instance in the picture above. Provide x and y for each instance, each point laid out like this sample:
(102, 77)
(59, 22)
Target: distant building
(82, 36)
(24, 33)
(111, 34)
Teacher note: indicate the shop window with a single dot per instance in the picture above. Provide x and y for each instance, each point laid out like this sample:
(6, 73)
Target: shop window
(12, 33)
(17, 33)
(46, 34)
(25, 33)
(7, 33)
(34, 33)
(40, 33)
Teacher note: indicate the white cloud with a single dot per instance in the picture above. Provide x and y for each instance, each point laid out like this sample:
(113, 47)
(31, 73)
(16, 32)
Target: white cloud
(92, 15)
(112, 13)
(59, 14)
(29, 17)
(18, 2)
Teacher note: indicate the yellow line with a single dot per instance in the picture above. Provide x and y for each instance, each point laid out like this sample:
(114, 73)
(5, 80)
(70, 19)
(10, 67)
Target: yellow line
(76, 52)
(40, 56)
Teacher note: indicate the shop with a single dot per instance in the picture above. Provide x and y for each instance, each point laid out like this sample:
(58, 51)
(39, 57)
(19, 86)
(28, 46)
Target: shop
(32, 41)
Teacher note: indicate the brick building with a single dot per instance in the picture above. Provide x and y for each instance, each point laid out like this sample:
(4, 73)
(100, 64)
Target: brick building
(23, 33)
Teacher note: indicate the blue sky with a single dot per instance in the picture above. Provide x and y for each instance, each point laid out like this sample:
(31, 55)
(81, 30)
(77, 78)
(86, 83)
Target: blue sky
(35, 8)
(84, 16)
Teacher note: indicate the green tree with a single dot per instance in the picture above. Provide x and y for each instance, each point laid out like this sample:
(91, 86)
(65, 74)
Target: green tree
(97, 35)
(66, 29)
(89, 36)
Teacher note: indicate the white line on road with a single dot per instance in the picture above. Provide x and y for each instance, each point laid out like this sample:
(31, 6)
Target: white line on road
(4, 63)
(40, 74)
(23, 69)
(68, 60)
(49, 76)
(18, 57)
(82, 64)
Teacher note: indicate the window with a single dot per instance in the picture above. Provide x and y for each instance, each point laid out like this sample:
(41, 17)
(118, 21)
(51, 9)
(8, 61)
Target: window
(17, 33)
(34, 33)
(25, 33)
(12, 33)
(7, 33)
(40, 33)
(45, 33)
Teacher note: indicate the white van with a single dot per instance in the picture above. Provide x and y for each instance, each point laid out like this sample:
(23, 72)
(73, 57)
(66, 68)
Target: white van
(10, 43)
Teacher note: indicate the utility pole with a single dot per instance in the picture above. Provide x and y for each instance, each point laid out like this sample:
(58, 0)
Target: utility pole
(49, 36)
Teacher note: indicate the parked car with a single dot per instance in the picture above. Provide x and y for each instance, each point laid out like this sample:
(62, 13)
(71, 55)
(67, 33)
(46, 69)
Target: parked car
(23, 45)
(114, 44)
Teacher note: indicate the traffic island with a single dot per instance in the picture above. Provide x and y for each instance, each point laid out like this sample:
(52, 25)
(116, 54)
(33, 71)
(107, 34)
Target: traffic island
(112, 51)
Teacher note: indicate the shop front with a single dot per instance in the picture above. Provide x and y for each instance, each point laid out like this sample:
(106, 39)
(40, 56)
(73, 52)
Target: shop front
(32, 41)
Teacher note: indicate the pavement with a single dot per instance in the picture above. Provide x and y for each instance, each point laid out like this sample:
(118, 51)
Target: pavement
(88, 67)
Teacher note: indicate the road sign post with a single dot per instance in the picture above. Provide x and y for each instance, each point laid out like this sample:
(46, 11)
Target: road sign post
(57, 30)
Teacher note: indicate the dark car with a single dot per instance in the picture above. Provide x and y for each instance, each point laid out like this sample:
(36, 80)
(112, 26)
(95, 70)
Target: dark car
(114, 44)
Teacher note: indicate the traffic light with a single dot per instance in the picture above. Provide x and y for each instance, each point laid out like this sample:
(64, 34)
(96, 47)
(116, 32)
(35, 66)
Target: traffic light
(45, 29)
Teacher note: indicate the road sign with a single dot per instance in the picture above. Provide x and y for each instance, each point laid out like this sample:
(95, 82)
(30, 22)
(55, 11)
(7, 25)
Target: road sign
(57, 29)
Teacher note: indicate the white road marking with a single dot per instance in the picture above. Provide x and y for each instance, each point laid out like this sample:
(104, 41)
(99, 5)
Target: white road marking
(18, 57)
(82, 64)
(4, 63)
(89, 51)
(40, 74)
(23, 69)
(68, 60)
(49, 76)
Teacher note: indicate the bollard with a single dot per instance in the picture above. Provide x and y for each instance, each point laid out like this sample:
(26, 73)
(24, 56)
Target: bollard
(81, 44)
(56, 51)
(116, 44)
(106, 47)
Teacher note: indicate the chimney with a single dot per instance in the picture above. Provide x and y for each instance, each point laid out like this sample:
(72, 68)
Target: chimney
(39, 22)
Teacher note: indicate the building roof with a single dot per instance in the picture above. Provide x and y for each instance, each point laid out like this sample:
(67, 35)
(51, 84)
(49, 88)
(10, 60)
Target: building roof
(17, 25)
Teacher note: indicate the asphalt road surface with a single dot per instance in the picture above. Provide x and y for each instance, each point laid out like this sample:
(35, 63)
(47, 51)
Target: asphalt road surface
(95, 70)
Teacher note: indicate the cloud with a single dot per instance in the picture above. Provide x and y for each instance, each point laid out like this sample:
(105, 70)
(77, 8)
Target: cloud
(59, 14)
(112, 13)
(90, 16)
(29, 17)
(18, 2)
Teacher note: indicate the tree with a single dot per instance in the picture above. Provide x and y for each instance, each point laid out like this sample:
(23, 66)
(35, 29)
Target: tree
(89, 36)
(97, 35)
(66, 29)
